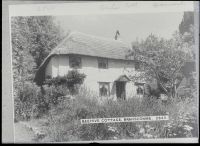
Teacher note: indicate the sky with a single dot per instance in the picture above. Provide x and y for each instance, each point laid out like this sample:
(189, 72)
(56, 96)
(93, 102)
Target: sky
(131, 26)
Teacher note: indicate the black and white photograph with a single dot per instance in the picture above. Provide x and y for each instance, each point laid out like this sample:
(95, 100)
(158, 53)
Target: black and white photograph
(89, 77)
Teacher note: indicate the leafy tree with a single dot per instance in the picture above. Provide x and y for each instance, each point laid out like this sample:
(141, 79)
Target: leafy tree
(44, 35)
(186, 32)
(38, 34)
(162, 61)
(33, 38)
(187, 22)
(22, 61)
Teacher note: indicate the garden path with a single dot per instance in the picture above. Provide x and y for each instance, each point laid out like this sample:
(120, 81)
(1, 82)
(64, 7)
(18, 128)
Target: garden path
(23, 134)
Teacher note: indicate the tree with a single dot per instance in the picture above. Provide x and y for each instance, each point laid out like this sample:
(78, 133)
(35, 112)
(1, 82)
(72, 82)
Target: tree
(186, 31)
(22, 60)
(33, 38)
(44, 36)
(161, 60)
(39, 34)
(187, 22)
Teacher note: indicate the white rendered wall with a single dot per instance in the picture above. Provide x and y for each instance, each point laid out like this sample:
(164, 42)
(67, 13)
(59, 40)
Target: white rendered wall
(59, 65)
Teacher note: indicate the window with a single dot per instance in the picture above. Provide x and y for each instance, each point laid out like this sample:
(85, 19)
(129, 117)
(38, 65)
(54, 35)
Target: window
(75, 61)
(103, 63)
(104, 89)
(139, 90)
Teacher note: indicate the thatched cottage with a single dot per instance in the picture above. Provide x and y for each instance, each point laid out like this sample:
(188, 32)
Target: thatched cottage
(102, 60)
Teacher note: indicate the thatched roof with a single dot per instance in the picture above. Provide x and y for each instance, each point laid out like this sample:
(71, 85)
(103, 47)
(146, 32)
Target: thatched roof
(84, 44)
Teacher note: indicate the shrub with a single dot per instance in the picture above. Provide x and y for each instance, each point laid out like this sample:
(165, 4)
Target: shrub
(32, 101)
(71, 80)
(85, 105)
(183, 119)
(54, 94)
(64, 115)
(26, 101)
(65, 119)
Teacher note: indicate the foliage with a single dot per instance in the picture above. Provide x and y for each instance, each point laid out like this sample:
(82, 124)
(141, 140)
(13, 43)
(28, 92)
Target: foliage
(54, 94)
(64, 120)
(34, 102)
(59, 80)
(33, 38)
(162, 60)
(72, 79)
(27, 102)
(185, 36)
(187, 21)
(183, 119)
(39, 35)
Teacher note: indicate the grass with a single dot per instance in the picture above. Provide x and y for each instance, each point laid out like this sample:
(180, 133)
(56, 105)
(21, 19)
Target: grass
(63, 115)
(64, 120)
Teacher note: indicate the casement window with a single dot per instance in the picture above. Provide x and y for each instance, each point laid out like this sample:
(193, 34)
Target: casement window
(139, 90)
(75, 61)
(104, 89)
(102, 63)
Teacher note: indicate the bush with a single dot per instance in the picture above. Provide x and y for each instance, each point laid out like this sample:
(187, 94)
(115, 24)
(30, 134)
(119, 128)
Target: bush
(65, 119)
(183, 119)
(33, 101)
(71, 80)
(64, 115)
(54, 94)
(26, 101)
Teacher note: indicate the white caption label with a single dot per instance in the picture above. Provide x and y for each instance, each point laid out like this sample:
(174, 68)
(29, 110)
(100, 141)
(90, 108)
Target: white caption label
(125, 119)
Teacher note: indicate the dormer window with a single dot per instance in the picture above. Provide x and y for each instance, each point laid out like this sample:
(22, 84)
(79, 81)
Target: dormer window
(75, 61)
(103, 63)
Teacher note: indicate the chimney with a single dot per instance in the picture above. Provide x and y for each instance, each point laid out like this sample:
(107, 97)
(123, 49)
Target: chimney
(117, 34)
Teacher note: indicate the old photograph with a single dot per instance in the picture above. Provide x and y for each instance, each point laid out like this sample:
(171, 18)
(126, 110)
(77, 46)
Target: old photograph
(109, 76)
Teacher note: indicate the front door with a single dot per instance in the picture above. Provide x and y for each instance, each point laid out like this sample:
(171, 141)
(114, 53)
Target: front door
(120, 90)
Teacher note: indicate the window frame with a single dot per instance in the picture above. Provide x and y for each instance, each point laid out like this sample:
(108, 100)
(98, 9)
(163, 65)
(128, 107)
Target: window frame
(72, 57)
(102, 60)
(140, 87)
(108, 92)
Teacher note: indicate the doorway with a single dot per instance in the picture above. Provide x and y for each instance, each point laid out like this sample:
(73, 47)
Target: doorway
(121, 90)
